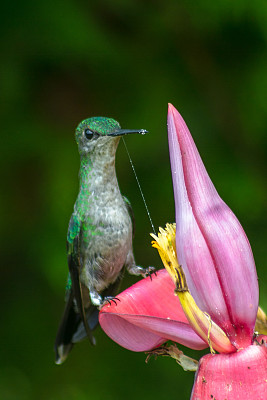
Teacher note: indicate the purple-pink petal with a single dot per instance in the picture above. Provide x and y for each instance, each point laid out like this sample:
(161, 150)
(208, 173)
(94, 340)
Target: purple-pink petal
(147, 315)
(211, 244)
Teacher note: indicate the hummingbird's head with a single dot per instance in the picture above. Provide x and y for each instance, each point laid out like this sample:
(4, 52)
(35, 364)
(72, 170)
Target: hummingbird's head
(97, 133)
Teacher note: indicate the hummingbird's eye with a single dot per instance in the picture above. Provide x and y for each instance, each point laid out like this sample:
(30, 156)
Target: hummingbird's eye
(88, 134)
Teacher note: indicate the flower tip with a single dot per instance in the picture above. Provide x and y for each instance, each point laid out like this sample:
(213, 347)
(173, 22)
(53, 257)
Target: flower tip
(175, 122)
(171, 108)
(174, 113)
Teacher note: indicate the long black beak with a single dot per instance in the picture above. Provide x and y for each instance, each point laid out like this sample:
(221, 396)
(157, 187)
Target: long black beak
(121, 132)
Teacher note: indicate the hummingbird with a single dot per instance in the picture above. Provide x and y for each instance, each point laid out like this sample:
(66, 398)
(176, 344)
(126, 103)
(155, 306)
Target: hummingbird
(100, 233)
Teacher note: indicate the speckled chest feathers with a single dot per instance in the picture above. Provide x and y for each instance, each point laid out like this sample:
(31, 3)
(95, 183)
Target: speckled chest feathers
(105, 224)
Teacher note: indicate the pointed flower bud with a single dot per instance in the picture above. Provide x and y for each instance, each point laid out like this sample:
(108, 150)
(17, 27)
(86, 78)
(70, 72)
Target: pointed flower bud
(211, 245)
(213, 274)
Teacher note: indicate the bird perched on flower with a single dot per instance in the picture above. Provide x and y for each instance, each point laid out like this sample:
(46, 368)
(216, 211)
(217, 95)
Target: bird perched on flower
(99, 241)
(208, 297)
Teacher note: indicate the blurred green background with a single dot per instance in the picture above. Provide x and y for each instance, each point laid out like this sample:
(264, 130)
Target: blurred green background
(62, 62)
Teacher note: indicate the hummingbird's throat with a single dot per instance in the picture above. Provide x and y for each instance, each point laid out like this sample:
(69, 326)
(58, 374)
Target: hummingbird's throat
(97, 170)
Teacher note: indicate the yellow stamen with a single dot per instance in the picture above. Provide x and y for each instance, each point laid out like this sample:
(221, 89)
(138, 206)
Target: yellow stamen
(261, 322)
(166, 246)
(199, 320)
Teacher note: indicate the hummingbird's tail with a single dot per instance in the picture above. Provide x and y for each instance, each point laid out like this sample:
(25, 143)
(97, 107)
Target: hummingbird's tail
(71, 329)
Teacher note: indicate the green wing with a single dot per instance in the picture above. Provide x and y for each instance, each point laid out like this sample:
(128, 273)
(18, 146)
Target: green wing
(73, 251)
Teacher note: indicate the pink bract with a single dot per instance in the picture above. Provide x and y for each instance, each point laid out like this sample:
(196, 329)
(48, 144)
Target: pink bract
(211, 244)
(147, 315)
(240, 375)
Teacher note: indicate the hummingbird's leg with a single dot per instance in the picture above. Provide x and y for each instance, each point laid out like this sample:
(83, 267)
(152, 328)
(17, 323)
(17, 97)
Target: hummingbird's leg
(95, 297)
(134, 269)
(145, 272)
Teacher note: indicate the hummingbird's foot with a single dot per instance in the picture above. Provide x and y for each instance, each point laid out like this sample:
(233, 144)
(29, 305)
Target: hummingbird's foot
(149, 271)
(109, 299)
(145, 272)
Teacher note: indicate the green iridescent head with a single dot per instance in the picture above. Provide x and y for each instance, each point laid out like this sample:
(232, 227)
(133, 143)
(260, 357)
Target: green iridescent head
(96, 132)
(100, 125)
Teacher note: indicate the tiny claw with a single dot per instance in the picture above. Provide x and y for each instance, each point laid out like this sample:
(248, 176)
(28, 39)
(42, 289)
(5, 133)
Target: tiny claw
(149, 271)
(109, 299)
(114, 299)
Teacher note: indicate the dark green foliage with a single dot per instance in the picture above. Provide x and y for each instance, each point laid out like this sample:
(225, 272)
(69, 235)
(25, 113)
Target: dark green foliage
(61, 64)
